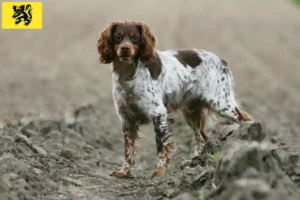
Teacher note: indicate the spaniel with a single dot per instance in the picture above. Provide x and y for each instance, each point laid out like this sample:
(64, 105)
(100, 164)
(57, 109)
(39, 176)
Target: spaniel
(149, 84)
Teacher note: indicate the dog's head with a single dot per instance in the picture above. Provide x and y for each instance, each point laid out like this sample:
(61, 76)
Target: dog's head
(126, 42)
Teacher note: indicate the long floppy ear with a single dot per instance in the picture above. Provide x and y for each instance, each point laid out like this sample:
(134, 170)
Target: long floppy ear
(147, 53)
(105, 45)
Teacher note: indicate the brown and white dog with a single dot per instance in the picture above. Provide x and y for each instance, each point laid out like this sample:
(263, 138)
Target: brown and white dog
(149, 84)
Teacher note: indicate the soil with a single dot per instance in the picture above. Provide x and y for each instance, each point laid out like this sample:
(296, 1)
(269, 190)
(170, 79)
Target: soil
(60, 137)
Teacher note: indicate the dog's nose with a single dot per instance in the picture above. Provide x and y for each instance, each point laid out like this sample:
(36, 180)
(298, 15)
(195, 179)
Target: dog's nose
(125, 48)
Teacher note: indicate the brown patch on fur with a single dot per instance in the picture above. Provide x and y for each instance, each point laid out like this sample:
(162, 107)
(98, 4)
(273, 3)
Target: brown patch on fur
(243, 115)
(188, 57)
(224, 62)
(155, 67)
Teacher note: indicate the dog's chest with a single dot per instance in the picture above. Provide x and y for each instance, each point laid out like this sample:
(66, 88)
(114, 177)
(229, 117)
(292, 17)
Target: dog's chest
(130, 108)
(130, 98)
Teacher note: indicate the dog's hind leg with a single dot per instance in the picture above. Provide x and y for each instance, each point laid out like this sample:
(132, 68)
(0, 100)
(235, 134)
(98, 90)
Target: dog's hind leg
(225, 104)
(195, 116)
(221, 97)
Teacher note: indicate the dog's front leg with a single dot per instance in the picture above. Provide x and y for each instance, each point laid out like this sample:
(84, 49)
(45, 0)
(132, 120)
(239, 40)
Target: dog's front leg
(130, 135)
(165, 143)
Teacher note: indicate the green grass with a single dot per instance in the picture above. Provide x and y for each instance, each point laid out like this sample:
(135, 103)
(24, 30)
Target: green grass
(200, 194)
(278, 152)
(215, 157)
(296, 2)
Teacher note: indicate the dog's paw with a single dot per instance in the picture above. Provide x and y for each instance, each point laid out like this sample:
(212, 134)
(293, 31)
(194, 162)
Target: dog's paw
(158, 172)
(121, 174)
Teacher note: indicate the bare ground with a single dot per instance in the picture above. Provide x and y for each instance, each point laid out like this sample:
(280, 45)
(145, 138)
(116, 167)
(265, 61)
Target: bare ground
(50, 151)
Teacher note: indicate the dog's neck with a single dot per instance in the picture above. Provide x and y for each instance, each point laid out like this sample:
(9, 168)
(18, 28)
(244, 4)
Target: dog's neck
(126, 71)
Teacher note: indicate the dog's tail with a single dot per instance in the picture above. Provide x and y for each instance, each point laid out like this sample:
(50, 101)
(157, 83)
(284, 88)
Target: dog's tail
(243, 115)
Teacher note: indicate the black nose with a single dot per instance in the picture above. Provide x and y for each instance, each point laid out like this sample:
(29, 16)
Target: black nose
(125, 48)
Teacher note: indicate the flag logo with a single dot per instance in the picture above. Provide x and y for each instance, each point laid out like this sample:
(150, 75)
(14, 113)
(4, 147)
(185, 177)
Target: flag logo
(22, 15)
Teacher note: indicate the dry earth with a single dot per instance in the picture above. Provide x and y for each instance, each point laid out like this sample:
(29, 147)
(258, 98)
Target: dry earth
(60, 136)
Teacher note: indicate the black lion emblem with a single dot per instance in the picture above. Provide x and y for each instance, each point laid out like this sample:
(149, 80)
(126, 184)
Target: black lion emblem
(22, 12)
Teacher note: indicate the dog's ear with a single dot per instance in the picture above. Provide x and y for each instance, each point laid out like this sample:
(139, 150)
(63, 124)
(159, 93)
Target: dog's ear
(148, 43)
(105, 44)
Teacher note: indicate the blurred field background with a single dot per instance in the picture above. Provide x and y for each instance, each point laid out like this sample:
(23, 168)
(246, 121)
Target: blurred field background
(52, 70)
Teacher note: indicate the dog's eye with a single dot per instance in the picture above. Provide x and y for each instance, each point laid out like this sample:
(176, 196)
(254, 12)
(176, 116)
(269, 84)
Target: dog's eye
(135, 38)
(118, 38)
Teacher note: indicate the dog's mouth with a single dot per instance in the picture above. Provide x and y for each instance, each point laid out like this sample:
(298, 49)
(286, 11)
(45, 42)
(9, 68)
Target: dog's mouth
(125, 58)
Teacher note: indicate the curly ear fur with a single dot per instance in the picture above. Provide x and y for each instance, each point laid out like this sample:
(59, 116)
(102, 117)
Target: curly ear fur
(105, 46)
(147, 53)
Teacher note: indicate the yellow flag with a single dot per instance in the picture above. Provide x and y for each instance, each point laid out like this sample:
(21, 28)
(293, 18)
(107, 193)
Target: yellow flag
(22, 15)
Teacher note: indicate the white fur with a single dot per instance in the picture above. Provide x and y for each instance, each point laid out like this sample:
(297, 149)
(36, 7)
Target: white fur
(211, 81)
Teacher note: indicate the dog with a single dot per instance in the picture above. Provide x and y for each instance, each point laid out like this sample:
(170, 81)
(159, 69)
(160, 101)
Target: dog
(149, 84)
